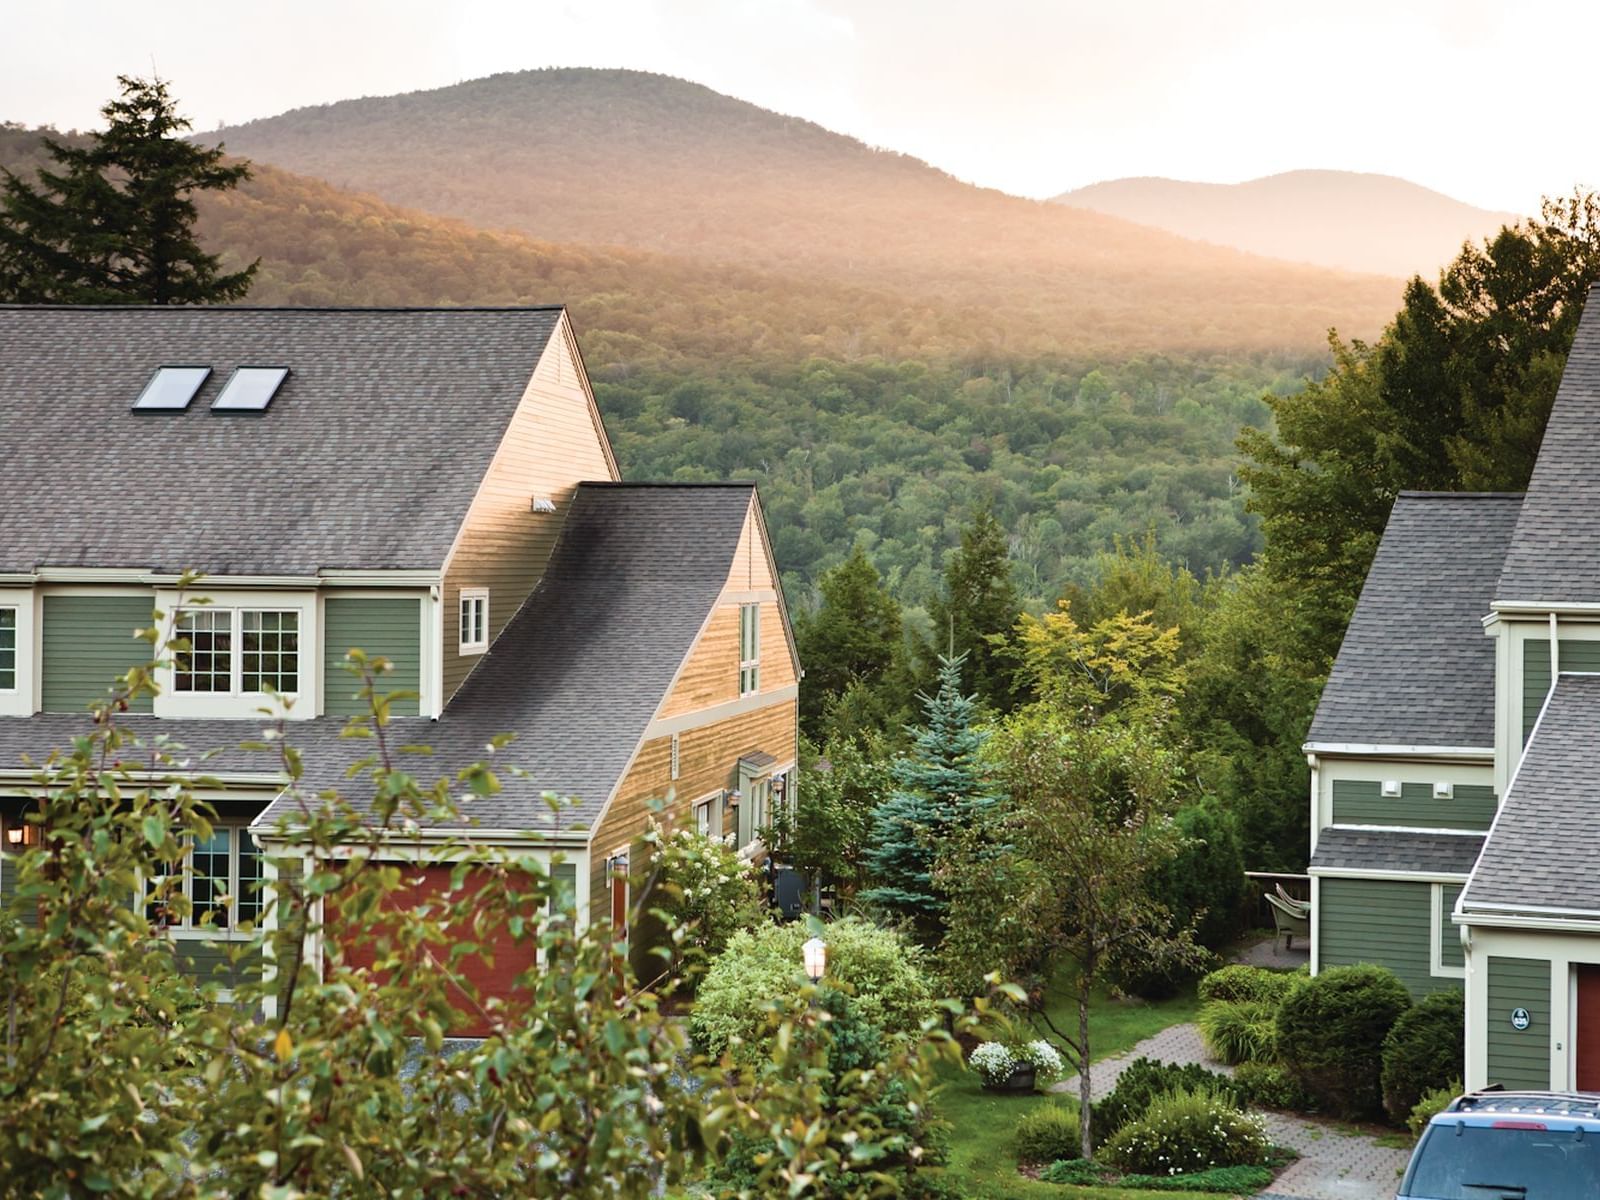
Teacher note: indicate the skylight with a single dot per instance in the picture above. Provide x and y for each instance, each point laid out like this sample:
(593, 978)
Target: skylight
(171, 389)
(250, 389)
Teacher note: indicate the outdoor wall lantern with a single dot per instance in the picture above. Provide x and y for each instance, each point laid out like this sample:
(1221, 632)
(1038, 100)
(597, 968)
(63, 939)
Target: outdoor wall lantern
(816, 956)
(14, 835)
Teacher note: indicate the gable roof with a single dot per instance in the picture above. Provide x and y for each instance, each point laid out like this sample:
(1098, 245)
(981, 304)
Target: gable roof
(367, 458)
(1545, 841)
(1415, 668)
(1555, 556)
(578, 674)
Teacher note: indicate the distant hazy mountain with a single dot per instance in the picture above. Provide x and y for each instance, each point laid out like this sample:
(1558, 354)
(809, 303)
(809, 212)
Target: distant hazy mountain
(641, 161)
(1341, 219)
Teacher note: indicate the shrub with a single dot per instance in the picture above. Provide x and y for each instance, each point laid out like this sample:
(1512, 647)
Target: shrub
(1431, 1105)
(1239, 983)
(1078, 1171)
(1205, 882)
(1158, 976)
(1271, 1085)
(1228, 1181)
(709, 893)
(882, 974)
(1141, 1082)
(1331, 1030)
(1048, 1133)
(1188, 1131)
(1424, 1051)
(1240, 1031)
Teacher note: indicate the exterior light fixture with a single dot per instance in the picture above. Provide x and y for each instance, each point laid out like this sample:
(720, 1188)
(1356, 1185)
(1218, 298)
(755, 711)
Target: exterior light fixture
(14, 835)
(816, 956)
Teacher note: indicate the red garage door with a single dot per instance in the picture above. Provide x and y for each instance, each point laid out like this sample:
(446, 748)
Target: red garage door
(511, 957)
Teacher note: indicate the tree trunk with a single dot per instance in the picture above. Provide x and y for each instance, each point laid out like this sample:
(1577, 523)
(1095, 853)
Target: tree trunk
(1085, 1111)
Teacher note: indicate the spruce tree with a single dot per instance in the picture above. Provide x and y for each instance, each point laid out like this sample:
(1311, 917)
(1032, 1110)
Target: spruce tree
(852, 644)
(113, 221)
(940, 789)
(979, 599)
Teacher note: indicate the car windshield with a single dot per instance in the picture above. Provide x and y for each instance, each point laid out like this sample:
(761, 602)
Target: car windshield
(1472, 1162)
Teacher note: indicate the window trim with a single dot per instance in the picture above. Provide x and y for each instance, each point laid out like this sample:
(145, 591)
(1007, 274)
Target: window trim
(16, 649)
(750, 667)
(236, 651)
(233, 704)
(478, 597)
(190, 929)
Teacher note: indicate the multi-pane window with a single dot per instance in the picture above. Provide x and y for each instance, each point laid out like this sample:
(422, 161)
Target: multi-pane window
(8, 649)
(221, 878)
(474, 620)
(749, 648)
(238, 650)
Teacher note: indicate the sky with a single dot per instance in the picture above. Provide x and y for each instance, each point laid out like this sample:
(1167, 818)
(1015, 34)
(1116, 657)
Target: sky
(1483, 101)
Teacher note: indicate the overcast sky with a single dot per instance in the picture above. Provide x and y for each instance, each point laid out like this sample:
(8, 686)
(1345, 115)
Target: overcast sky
(1485, 101)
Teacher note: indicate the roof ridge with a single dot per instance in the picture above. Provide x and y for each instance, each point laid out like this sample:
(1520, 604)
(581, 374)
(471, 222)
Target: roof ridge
(666, 483)
(1408, 494)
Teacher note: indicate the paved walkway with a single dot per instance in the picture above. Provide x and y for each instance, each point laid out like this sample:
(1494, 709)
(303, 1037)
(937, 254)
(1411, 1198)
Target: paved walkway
(1334, 1164)
(1269, 952)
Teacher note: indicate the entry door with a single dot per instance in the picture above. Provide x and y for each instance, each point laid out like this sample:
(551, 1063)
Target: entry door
(1586, 1059)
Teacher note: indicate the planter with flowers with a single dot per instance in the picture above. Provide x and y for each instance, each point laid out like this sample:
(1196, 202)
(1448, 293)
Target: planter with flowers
(1019, 1068)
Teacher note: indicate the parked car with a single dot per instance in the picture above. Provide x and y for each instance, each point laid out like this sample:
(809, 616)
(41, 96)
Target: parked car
(1497, 1145)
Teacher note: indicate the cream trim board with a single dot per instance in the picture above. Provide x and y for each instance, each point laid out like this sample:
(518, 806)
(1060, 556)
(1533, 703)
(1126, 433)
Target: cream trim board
(1401, 876)
(1440, 830)
(754, 702)
(1316, 925)
(21, 700)
(1436, 965)
(1395, 750)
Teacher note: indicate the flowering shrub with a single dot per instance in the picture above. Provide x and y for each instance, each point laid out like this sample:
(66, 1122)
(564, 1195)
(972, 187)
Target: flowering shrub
(1046, 1060)
(993, 1062)
(707, 894)
(1187, 1131)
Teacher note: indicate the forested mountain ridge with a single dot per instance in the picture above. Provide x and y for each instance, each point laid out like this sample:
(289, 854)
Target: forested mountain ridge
(1346, 220)
(653, 163)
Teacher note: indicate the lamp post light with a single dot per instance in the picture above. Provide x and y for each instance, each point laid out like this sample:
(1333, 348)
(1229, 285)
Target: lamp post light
(816, 956)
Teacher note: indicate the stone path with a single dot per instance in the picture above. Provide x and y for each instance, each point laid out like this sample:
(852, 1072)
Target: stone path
(1334, 1164)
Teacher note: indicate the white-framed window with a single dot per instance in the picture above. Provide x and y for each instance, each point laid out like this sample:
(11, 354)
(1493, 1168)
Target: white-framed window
(702, 818)
(673, 754)
(474, 620)
(221, 876)
(749, 648)
(237, 651)
(8, 649)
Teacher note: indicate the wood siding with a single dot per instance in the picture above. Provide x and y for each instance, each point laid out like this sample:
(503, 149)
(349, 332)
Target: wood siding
(1380, 921)
(708, 760)
(553, 443)
(1518, 1058)
(1450, 952)
(392, 628)
(1361, 802)
(87, 643)
(1576, 655)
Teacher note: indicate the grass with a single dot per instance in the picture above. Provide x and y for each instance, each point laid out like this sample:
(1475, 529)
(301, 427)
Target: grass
(982, 1164)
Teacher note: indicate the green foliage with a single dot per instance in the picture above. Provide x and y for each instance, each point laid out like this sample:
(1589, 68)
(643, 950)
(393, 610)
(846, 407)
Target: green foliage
(112, 222)
(1081, 1172)
(1188, 1131)
(1331, 1030)
(1205, 884)
(974, 611)
(1272, 1085)
(706, 894)
(941, 788)
(1122, 665)
(734, 1011)
(1227, 1181)
(825, 833)
(1240, 1031)
(1430, 1105)
(1424, 1051)
(1141, 1082)
(1048, 1133)
(1240, 982)
(853, 640)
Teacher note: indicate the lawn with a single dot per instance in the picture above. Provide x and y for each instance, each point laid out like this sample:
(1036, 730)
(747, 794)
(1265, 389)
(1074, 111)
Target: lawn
(982, 1165)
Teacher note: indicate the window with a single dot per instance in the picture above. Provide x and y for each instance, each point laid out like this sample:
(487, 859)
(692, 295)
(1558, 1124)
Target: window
(702, 818)
(222, 879)
(674, 756)
(171, 389)
(8, 649)
(250, 389)
(267, 657)
(749, 648)
(474, 620)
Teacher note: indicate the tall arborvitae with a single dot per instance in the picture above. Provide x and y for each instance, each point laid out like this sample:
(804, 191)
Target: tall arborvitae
(979, 599)
(940, 789)
(113, 221)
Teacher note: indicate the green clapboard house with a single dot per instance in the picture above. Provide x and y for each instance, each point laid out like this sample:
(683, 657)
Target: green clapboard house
(432, 486)
(1455, 755)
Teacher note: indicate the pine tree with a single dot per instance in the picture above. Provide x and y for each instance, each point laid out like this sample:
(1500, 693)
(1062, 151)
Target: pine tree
(852, 644)
(113, 222)
(979, 599)
(940, 789)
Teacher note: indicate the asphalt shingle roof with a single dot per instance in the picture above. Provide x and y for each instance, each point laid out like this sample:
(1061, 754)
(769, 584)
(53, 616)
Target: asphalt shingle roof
(1545, 842)
(367, 458)
(1396, 850)
(1415, 668)
(1555, 556)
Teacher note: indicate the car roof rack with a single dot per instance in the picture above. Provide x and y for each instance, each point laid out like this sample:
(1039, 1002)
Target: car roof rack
(1496, 1100)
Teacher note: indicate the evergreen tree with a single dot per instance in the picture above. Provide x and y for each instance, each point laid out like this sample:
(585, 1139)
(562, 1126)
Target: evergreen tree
(113, 221)
(979, 599)
(852, 645)
(940, 789)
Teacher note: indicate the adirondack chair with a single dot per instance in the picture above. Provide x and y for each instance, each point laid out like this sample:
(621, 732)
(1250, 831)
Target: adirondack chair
(1295, 904)
(1289, 921)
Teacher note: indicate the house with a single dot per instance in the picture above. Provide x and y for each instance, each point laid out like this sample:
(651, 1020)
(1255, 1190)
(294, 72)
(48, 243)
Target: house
(430, 485)
(1455, 808)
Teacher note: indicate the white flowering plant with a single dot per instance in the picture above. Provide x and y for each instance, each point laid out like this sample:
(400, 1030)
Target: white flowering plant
(993, 1062)
(1184, 1132)
(708, 893)
(1045, 1060)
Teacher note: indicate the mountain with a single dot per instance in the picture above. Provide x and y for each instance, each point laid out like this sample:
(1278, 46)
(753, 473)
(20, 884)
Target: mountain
(1340, 219)
(654, 164)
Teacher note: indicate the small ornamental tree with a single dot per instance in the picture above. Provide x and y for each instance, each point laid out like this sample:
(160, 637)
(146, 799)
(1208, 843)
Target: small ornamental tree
(941, 788)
